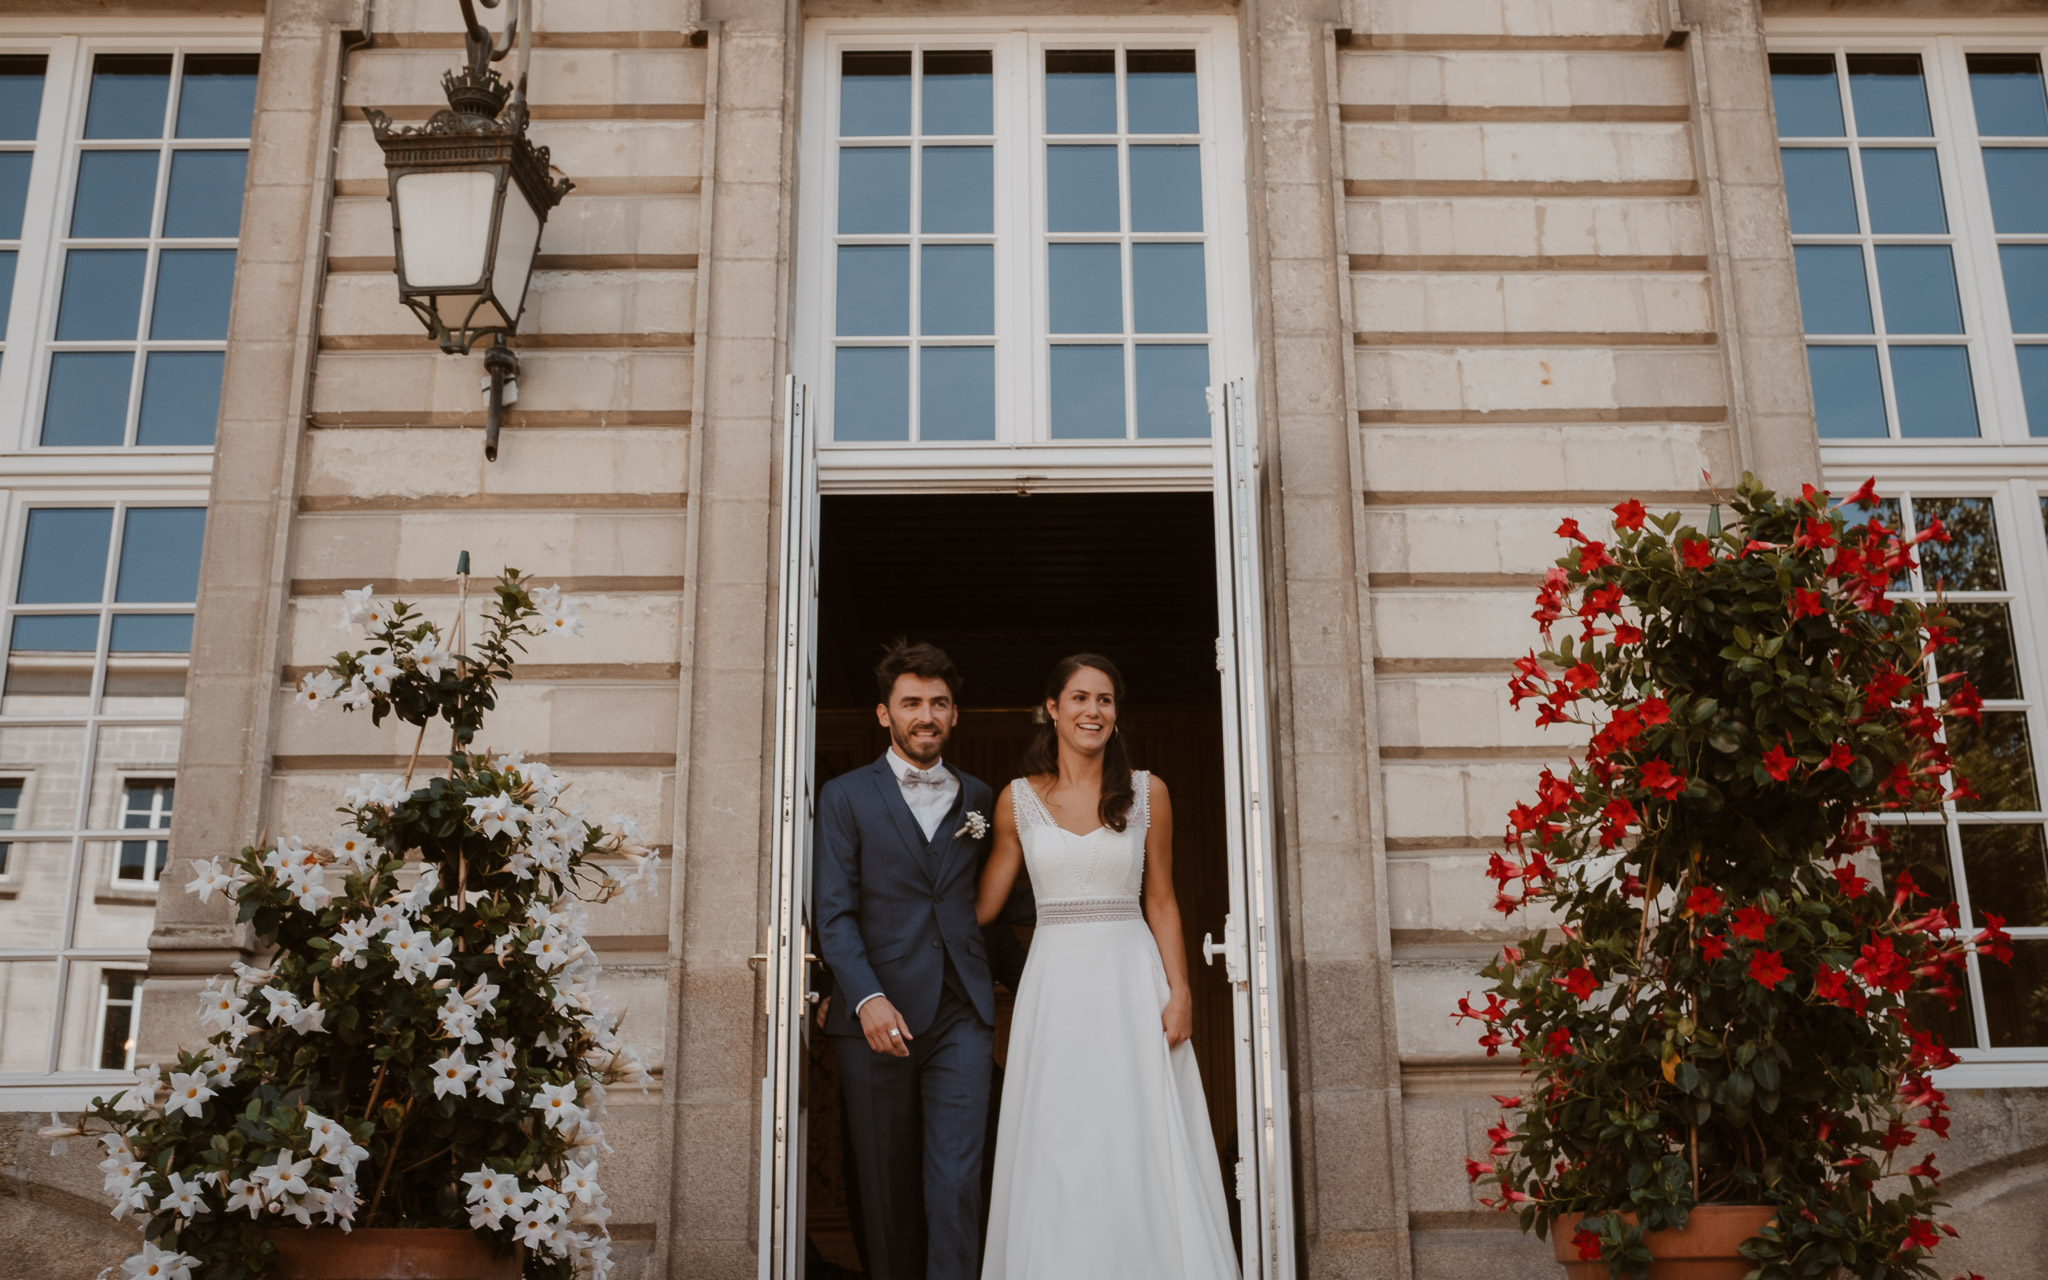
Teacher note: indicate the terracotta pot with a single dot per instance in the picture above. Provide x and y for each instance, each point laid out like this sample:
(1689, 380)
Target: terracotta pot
(388, 1253)
(1705, 1250)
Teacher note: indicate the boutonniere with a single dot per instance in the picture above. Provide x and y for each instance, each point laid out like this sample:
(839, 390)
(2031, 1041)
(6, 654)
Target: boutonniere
(975, 827)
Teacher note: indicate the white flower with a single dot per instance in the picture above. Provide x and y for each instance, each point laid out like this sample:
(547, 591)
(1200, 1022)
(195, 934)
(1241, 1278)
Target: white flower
(550, 949)
(283, 1176)
(220, 1064)
(557, 1104)
(433, 660)
(508, 1199)
(975, 827)
(207, 876)
(352, 849)
(451, 1075)
(546, 597)
(316, 687)
(483, 1182)
(542, 778)
(417, 954)
(417, 898)
(331, 1142)
(497, 815)
(355, 607)
(184, 1198)
(188, 1093)
(148, 1081)
(371, 789)
(248, 979)
(135, 1198)
(492, 1082)
(561, 620)
(312, 891)
(377, 671)
(581, 1182)
(501, 1054)
(158, 1264)
(535, 1231)
(243, 1194)
(481, 995)
(389, 917)
(356, 697)
(218, 1005)
(59, 1135)
(349, 943)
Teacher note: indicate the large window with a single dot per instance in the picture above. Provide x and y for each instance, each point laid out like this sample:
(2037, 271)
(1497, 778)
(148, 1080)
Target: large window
(1021, 238)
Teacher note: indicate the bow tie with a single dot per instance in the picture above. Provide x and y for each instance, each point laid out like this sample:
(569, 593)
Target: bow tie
(915, 778)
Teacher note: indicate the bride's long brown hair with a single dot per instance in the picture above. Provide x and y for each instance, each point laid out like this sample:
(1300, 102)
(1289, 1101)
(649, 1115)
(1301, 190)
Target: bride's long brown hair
(1043, 755)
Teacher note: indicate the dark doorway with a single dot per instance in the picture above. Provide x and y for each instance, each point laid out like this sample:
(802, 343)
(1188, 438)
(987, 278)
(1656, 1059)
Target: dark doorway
(1008, 585)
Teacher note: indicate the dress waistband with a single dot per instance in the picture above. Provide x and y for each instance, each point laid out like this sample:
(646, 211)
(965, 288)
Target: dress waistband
(1089, 911)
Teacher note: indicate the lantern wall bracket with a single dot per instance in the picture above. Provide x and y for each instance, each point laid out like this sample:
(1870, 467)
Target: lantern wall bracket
(501, 386)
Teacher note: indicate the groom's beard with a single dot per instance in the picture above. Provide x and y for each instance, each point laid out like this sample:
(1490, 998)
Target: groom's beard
(923, 752)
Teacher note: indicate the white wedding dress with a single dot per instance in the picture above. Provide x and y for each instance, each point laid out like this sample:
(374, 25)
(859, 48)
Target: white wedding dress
(1105, 1165)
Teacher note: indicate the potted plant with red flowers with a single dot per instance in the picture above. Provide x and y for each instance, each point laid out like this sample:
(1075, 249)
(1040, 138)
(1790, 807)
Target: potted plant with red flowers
(1718, 1016)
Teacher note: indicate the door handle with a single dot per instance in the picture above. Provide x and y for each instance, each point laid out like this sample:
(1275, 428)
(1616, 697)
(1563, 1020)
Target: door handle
(1211, 948)
(1231, 949)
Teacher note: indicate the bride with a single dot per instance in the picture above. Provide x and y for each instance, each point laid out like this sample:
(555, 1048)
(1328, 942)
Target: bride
(1105, 1166)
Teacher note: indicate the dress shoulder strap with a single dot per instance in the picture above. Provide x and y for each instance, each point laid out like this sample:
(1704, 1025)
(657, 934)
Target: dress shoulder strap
(1141, 805)
(1030, 811)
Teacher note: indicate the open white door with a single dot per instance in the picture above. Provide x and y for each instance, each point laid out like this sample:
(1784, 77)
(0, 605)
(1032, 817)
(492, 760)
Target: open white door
(789, 997)
(1251, 937)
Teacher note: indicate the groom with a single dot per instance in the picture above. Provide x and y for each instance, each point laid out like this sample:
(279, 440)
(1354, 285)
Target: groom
(897, 865)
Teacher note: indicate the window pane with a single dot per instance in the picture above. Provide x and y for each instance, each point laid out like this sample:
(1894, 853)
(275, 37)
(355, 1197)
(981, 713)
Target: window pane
(958, 92)
(117, 1040)
(180, 398)
(87, 404)
(1817, 188)
(874, 190)
(116, 194)
(6, 288)
(128, 95)
(1088, 393)
(1921, 850)
(1969, 560)
(55, 633)
(2007, 90)
(874, 290)
(959, 191)
(21, 95)
(1848, 402)
(1171, 384)
(2016, 996)
(1080, 92)
(1166, 189)
(1889, 95)
(206, 194)
(102, 294)
(871, 394)
(874, 95)
(1903, 188)
(1803, 89)
(1994, 758)
(1932, 388)
(28, 1005)
(1160, 91)
(14, 167)
(1833, 297)
(956, 393)
(160, 555)
(1087, 289)
(2034, 385)
(1169, 289)
(1983, 650)
(2007, 867)
(2026, 285)
(957, 289)
(193, 290)
(64, 556)
(151, 633)
(2018, 177)
(1080, 189)
(218, 96)
(1918, 284)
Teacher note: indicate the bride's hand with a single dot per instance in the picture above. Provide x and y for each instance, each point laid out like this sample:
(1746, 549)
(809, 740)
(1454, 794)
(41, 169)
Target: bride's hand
(1178, 1017)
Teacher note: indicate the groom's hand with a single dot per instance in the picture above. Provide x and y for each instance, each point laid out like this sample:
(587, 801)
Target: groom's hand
(878, 1019)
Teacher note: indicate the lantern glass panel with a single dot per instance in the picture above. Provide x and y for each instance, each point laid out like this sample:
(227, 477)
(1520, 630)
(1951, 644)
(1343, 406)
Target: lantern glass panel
(518, 240)
(445, 219)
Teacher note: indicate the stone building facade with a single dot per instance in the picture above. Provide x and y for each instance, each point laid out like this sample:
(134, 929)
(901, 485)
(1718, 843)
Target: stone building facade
(1476, 264)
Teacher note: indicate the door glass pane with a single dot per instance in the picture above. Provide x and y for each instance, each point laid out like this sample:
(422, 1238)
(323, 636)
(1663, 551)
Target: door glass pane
(1983, 650)
(1169, 289)
(160, 555)
(1166, 189)
(1087, 289)
(206, 194)
(2007, 868)
(1918, 284)
(1171, 399)
(1933, 391)
(116, 194)
(1889, 95)
(64, 556)
(193, 290)
(1903, 186)
(1804, 93)
(1969, 560)
(1160, 91)
(218, 96)
(874, 290)
(1081, 189)
(2006, 88)
(2016, 996)
(874, 190)
(1833, 297)
(128, 95)
(180, 398)
(2026, 285)
(21, 95)
(2018, 177)
(102, 295)
(1995, 759)
(958, 92)
(956, 393)
(1080, 91)
(14, 167)
(1088, 393)
(28, 1006)
(1848, 400)
(959, 194)
(874, 94)
(1817, 189)
(2034, 385)
(871, 393)
(957, 289)
(87, 401)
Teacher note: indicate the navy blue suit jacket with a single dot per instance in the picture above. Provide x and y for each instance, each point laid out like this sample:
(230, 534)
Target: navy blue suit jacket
(890, 906)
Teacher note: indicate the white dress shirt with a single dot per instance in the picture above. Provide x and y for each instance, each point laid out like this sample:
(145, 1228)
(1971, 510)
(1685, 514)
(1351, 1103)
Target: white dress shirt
(928, 804)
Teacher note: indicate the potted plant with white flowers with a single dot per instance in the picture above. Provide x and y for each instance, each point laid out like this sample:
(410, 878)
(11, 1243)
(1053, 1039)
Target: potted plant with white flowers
(421, 1056)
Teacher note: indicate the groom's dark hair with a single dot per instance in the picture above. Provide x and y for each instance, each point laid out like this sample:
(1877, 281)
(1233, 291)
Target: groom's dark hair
(901, 658)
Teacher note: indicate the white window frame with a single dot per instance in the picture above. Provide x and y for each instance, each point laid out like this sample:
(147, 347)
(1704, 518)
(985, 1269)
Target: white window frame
(1022, 456)
(106, 1001)
(156, 780)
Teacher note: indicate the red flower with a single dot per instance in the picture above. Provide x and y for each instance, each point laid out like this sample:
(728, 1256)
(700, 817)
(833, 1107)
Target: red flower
(1655, 711)
(1767, 968)
(1592, 556)
(1580, 982)
(1993, 939)
(1852, 884)
(1920, 1232)
(1704, 900)
(1778, 764)
(1865, 495)
(1966, 702)
(1713, 947)
(1832, 985)
(1587, 1244)
(1579, 678)
(1806, 604)
(1839, 757)
(1658, 778)
(1629, 515)
(1627, 633)
(1750, 923)
(1570, 529)
(1697, 553)
(1558, 1044)
(1474, 1170)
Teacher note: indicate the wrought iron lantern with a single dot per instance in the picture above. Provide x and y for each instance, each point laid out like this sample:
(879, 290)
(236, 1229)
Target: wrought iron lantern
(470, 193)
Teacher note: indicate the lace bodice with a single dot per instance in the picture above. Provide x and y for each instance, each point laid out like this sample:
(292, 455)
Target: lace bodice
(1102, 866)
